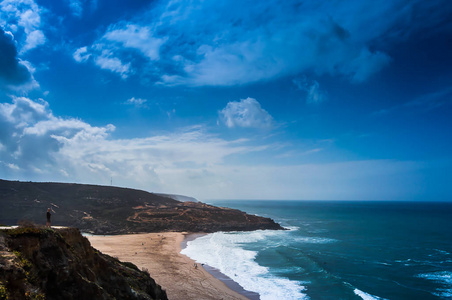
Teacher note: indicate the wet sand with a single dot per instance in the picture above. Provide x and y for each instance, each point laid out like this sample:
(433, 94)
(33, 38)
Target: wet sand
(159, 253)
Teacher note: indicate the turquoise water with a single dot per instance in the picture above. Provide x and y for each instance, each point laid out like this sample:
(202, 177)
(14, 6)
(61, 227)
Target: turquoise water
(337, 250)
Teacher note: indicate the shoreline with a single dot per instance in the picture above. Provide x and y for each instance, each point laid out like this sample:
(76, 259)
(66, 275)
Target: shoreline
(229, 282)
(159, 254)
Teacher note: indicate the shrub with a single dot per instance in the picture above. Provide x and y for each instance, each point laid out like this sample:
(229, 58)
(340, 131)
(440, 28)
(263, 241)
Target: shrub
(26, 264)
(3, 293)
(145, 270)
(130, 265)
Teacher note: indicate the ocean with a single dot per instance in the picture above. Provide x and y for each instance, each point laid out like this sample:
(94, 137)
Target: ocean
(336, 250)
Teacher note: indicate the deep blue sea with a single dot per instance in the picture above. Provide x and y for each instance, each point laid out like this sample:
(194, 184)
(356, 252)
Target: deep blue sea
(337, 250)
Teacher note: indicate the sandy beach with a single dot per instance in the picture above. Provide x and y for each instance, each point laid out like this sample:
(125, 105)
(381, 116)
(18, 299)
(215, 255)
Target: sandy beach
(159, 253)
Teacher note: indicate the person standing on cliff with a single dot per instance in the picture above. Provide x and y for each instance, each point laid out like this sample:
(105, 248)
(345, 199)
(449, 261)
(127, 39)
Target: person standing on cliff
(48, 216)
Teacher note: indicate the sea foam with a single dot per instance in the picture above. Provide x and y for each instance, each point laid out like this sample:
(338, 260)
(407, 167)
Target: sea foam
(442, 278)
(225, 252)
(366, 296)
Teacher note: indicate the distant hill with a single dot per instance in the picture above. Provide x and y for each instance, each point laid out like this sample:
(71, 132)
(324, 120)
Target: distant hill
(114, 210)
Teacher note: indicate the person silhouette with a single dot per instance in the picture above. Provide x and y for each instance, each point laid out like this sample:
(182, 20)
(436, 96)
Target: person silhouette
(48, 217)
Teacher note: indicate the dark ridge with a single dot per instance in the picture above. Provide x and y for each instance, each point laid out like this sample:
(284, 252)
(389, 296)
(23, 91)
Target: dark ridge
(113, 210)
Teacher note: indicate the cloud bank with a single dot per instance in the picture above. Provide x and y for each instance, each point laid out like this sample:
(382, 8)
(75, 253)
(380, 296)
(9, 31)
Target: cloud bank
(36, 144)
(189, 43)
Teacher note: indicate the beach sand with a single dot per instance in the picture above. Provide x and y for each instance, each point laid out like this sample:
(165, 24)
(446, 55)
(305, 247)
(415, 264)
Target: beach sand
(159, 253)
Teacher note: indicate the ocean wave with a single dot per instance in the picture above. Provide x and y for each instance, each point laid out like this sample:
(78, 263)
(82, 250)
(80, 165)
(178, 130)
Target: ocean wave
(382, 263)
(292, 228)
(225, 252)
(315, 240)
(366, 296)
(440, 251)
(442, 278)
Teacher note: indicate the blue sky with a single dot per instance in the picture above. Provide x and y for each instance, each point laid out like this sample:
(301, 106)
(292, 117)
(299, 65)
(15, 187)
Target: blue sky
(230, 99)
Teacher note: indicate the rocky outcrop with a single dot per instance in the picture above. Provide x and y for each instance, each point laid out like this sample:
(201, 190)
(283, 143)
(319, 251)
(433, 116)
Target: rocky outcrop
(113, 210)
(42, 263)
(197, 217)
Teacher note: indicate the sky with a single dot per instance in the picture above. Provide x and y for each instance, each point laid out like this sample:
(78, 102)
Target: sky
(227, 99)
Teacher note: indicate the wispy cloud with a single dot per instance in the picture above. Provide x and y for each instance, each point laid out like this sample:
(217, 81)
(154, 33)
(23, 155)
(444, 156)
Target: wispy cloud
(426, 102)
(108, 61)
(113, 50)
(79, 7)
(137, 102)
(76, 7)
(136, 37)
(312, 89)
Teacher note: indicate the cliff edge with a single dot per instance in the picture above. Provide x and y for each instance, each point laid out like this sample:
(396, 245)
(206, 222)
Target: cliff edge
(44, 263)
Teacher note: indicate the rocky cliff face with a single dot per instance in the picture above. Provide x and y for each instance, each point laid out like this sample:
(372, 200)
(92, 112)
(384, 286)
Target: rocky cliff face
(41, 263)
(113, 210)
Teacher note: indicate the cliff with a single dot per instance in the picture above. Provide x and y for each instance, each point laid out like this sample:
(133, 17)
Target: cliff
(41, 263)
(113, 210)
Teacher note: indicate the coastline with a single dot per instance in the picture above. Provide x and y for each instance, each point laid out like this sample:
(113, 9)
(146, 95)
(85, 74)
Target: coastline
(229, 282)
(159, 254)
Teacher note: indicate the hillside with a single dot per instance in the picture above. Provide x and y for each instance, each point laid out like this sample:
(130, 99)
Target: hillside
(113, 210)
(38, 263)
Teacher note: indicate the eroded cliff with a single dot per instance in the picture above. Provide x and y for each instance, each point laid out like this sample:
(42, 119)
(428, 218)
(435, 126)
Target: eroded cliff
(42, 263)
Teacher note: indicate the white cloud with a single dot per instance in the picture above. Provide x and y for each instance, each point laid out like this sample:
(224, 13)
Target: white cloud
(246, 113)
(112, 51)
(33, 136)
(34, 39)
(108, 62)
(81, 54)
(137, 37)
(29, 17)
(138, 102)
(23, 18)
(24, 111)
